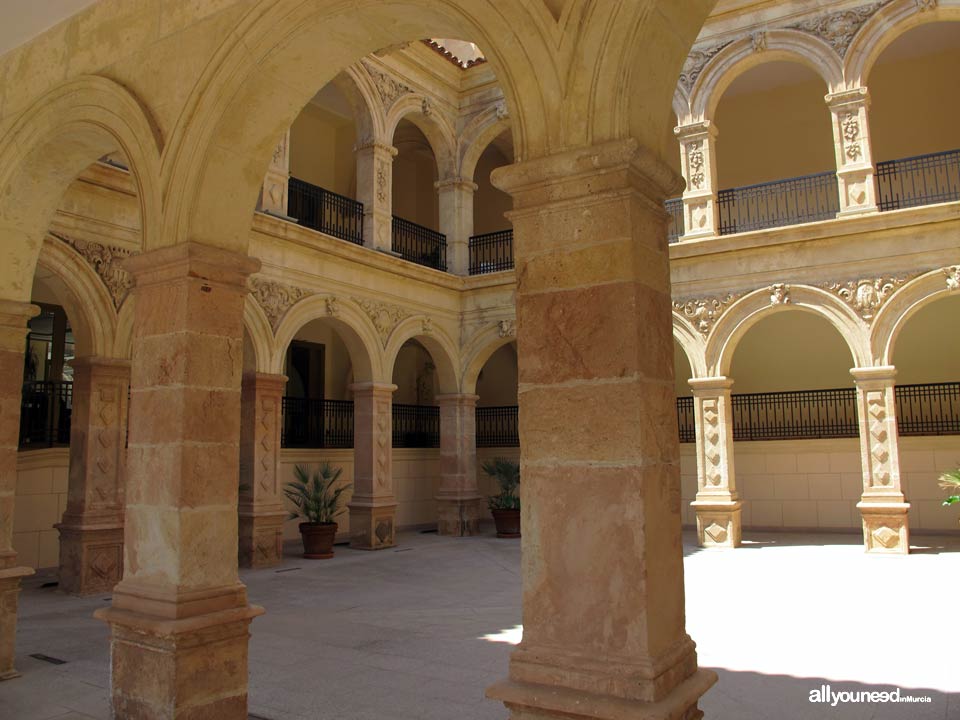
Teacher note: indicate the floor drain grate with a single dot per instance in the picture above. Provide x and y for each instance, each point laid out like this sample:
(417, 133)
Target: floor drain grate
(280, 571)
(47, 658)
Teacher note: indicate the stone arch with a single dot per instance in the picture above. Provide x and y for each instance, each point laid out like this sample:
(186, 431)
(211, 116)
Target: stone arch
(48, 145)
(480, 349)
(434, 127)
(361, 94)
(261, 335)
(745, 312)
(739, 56)
(123, 340)
(442, 349)
(477, 136)
(903, 304)
(886, 25)
(693, 345)
(681, 105)
(354, 327)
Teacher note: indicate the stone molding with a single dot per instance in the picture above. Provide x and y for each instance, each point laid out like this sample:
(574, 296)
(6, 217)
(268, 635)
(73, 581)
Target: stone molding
(838, 28)
(384, 316)
(277, 298)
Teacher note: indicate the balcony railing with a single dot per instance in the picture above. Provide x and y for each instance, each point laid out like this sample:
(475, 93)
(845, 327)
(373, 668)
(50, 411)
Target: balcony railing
(416, 426)
(686, 423)
(45, 410)
(920, 180)
(931, 409)
(774, 204)
(498, 426)
(325, 211)
(491, 252)
(419, 244)
(317, 423)
(675, 228)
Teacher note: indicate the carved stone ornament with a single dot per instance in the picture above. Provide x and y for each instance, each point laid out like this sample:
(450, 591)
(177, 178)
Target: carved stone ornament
(507, 328)
(704, 312)
(275, 298)
(381, 183)
(502, 111)
(426, 327)
(696, 161)
(695, 62)
(924, 5)
(839, 28)
(866, 295)
(279, 159)
(105, 261)
(389, 88)
(333, 306)
(779, 294)
(953, 277)
(425, 107)
(384, 317)
(758, 41)
(850, 123)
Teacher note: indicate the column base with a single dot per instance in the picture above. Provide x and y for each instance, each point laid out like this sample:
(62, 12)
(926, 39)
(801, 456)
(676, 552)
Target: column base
(460, 517)
(9, 590)
(91, 557)
(718, 523)
(373, 527)
(885, 527)
(260, 540)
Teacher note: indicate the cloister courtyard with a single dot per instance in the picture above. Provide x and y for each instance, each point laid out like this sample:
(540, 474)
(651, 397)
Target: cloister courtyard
(418, 632)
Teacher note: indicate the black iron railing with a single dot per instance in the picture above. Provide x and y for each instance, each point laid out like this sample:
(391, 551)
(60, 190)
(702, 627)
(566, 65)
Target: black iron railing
(419, 244)
(317, 423)
(920, 180)
(931, 409)
(498, 426)
(491, 252)
(686, 422)
(675, 228)
(325, 211)
(45, 410)
(774, 204)
(795, 415)
(416, 426)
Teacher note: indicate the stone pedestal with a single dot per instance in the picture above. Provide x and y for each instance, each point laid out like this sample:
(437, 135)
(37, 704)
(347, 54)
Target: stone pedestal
(91, 531)
(13, 328)
(882, 506)
(261, 514)
(717, 504)
(698, 161)
(373, 507)
(455, 198)
(375, 191)
(851, 139)
(180, 616)
(603, 605)
(460, 508)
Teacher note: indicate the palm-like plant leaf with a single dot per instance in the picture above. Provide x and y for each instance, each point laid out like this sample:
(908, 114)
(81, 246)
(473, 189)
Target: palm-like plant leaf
(316, 495)
(507, 474)
(951, 481)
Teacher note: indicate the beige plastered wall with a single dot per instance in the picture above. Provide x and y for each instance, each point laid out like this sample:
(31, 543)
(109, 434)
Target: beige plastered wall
(41, 498)
(321, 150)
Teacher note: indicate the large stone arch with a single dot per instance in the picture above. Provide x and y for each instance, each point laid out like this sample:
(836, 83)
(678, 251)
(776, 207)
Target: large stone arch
(886, 25)
(745, 312)
(740, 56)
(903, 304)
(350, 322)
(477, 136)
(361, 94)
(442, 349)
(435, 128)
(258, 329)
(693, 345)
(478, 350)
(51, 142)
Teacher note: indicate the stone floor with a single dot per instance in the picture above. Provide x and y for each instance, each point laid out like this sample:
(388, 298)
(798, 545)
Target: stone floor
(417, 632)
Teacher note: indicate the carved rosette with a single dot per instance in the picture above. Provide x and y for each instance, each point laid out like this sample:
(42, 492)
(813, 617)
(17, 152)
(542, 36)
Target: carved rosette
(385, 317)
(275, 298)
(839, 28)
(704, 312)
(866, 295)
(695, 160)
(850, 124)
(106, 263)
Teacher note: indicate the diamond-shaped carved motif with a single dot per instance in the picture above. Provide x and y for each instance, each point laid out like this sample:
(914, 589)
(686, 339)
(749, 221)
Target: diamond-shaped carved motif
(716, 532)
(886, 537)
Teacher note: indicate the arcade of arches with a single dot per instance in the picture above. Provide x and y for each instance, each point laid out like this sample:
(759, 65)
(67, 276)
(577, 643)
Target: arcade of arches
(318, 235)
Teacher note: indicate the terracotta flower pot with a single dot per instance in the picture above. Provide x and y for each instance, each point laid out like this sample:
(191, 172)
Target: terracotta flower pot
(318, 540)
(507, 522)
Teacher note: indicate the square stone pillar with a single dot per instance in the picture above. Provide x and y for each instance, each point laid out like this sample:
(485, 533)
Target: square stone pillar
(91, 531)
(13, 329)
(455, 196)
(460, 507)
(180, 617)
(698, 162)
(261, 514)
(882, 505)
(603, 605)
(274, 194)
(851, 140)
(375, 191)
(717, 504)
(373, 507)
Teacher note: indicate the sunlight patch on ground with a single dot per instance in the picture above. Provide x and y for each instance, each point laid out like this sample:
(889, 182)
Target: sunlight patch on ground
(511, 636)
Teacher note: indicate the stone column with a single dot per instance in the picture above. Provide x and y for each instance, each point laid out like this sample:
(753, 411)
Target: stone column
(13, 328)
(460, 506)
(717, 504)
(375, 191)
(261, 512)
(274, 193)
(698, 162)
(851, 140)
(180, 617)
(91, 531)
(455, 196)
(373, 507)
(882, 505)
(603, 605)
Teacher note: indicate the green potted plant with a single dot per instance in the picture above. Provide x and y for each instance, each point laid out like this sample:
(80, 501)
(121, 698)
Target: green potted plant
(316, 497)
(505, 506)
(951, 481)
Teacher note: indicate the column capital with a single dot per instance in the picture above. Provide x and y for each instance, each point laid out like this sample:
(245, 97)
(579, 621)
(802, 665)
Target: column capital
(372, 387)
(376, 146)
(265, 381)
(856, 97)
(872, 378)
(710, 386)
(191, 260)
(117, 367)
(14, 316)
(696, 131)
(457, 399)
(455, 183)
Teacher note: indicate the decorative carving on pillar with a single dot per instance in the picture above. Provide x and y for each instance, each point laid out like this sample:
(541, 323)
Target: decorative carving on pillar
(383, 444)
(275, 298)
(384, 317)
(850, 122)
(866, 295)
(507, 328)
(389, 88)
(381, 181)
(952, 274)
(717, 533)
(758, 41)
(704, 312)
(879, 437)
(711, 436)
(696, 161)
(104, 482)
(106, 262)
(266, 435)
(886, 537)
(839, 28)
(696, 61)
(779, 294)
